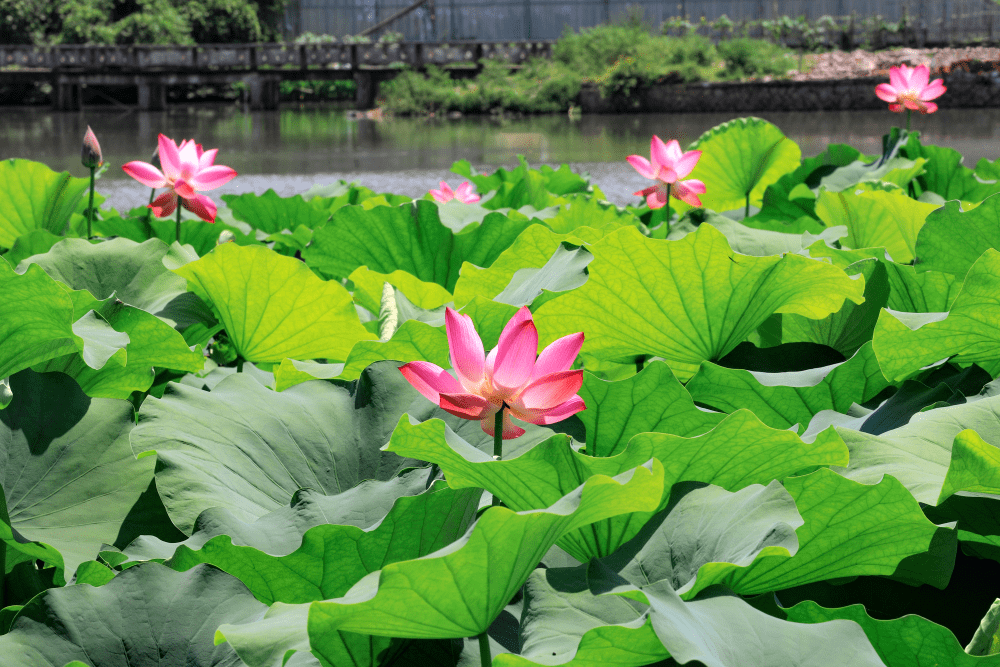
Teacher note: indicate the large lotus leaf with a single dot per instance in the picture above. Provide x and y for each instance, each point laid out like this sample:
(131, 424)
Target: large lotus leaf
(144, 616)
(534, 480)
(298, 564)
(559, 181)
(652, 401)
(140, 226)
(582, 210)
(564, 625)
(32, 196)
(272, 213)
(945, 174)
(748, 240)
(413, 341)
(66, 467)
(740, 159)
(952, 240)
(458, 591)
(248, 449)
(967, 332)
(782, 400)
(730, 456)
(707, 524)
(409, 238)
(274, 307)
(368, 286)
(923, 292)
(531, 250)
(850, 327)
(850, 529)
(887, 219)
(35, 242)
(687, 301)
(150, 343)
(901, 642)
(133, 272)
(778, 202)
(896, 170)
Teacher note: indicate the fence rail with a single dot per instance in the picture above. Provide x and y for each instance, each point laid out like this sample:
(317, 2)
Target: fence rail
(939, 21)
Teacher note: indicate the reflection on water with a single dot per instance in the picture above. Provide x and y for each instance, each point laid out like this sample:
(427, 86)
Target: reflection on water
(312, 140)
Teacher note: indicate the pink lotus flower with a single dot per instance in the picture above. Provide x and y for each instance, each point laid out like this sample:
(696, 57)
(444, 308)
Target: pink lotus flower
(91, 156)
(668, 165)
(462, 193)
(539, 391)
(187, 170)
(909, 89)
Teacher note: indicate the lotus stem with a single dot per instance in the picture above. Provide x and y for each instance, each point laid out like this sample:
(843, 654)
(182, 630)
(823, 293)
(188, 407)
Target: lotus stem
(239, 364)
(497, 455)
(149, 211)
(178, 223)
(485, 659)
(746, 211)
(908, 114)
(668, 203)
(90, 209)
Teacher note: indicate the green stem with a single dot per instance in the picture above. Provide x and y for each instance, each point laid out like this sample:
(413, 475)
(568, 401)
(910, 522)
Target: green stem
(908, 112)
(497, 455)
(178, 223)
(668, 203)
(149, 211)
(90, 209)
(485, 659)
(746, 211)
(239, 364)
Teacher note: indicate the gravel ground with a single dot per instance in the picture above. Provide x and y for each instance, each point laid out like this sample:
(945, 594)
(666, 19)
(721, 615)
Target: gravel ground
(858, 64)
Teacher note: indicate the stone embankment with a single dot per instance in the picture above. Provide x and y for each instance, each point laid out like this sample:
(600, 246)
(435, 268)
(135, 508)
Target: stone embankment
(834, 81)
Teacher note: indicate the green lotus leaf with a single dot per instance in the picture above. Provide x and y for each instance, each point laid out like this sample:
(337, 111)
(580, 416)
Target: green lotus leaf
(32, 196)
(368, 289)
(952, 240)
(273, 307)
(850, 529)
(272, 213)
(35, 242)
(140, 226)
(876, 219)
(974, 466)
(551, 469)
(411, 238)
(850, 327)
(135, 273)
(532, 249)
(966, 332)
(693, 300)
(458, 591)
(581, 210)
(652, 401)
(750, 240)
(945, 174)
(921, 292)
(67, 471)
(141, 617)
(896, 170)
(782, 400)
(739, 160)
(413, 341)
(900, 642)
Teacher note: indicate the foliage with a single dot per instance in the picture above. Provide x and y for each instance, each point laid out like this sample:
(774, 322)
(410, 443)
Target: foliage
(222, 21)
(789, 448)
(753, 58)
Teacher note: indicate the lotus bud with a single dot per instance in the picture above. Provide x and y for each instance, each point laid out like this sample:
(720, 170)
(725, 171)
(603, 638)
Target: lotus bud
(388, 315)
(91, 155)
(226, 236)
(6, 395)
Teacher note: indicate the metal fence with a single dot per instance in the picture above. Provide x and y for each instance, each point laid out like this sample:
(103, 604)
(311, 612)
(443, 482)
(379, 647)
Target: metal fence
(937, 20)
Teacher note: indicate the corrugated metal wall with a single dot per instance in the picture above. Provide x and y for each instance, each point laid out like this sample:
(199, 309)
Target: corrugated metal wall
(546, 19)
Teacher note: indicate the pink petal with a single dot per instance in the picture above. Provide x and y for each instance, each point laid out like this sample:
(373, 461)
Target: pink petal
(885, 92)
(189, 159)
(642, 166)
(686, 164)
(439, 196)
(688, 191)
(170, 158)
(145, 173)
(898, 108)
(515, 358)
(210, 178)
(674, 153)
(667, 175)
(509, 430)
(898, 78)
(551, 390)
(164, 205)
(918, 80)
(656, 196)
(201, 206)
(658, 153)
(558, 355)
(929, 107)
(521, 316)
(430, 380)
(466, 348)
(184, 189)
(206, 158)
(933, 90)
(463, 190)
(913, 105)
(466, 406)
(553, 415)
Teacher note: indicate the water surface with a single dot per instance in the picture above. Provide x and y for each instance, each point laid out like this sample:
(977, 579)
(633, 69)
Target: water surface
(294, 147)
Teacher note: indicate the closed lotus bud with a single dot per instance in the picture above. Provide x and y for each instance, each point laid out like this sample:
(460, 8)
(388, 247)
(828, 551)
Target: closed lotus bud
(91, 155)
(226, 236)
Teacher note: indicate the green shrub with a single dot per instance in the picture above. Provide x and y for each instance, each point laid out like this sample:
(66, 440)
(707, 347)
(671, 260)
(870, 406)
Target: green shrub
(222, 21)
(592, 50)
(156, 22)
(23, 21)
(82, 22)
(746, 57)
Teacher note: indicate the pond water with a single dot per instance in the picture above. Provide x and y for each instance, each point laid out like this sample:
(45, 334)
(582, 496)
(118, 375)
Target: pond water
(293, 148)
